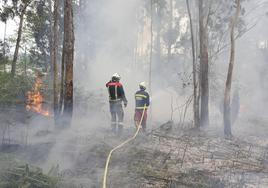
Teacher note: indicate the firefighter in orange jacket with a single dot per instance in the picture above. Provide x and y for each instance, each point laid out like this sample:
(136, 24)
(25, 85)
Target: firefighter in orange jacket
(142, 99)
(116, 97)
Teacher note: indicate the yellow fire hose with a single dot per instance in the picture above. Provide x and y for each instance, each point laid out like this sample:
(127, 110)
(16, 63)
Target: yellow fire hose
(119, 146)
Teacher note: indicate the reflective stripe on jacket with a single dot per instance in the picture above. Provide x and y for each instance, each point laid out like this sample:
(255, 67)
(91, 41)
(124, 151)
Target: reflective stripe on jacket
(116, 91)
(142, 98)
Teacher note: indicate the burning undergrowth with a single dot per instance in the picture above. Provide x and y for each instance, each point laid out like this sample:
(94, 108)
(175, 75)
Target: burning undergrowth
(35, 98)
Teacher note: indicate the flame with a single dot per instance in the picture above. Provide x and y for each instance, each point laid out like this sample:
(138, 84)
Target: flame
(35, 100)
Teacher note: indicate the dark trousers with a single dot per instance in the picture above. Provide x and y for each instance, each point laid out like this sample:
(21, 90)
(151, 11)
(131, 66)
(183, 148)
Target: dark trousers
(117, 114)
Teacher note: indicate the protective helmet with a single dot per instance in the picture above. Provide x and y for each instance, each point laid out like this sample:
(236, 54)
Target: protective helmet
(142, 85)
(116, 77)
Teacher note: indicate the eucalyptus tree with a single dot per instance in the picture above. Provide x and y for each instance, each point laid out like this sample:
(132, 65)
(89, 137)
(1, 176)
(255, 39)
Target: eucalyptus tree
(227, 93)
(19, 7)
(67, 60)
(194, 66)
(53, 56)
(204, 60)
(5, 14)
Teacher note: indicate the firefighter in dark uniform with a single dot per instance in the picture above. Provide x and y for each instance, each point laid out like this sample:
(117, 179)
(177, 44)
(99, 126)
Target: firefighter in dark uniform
(142, 99)
(116, 97)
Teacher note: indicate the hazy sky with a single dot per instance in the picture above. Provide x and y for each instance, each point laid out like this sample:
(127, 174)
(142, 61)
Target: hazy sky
(11, 26)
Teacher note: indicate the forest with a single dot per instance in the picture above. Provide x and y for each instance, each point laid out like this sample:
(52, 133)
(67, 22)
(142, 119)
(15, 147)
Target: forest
(133, 93)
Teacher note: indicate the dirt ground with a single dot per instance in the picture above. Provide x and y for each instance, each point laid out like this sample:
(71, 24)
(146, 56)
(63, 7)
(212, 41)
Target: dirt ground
(169, 156)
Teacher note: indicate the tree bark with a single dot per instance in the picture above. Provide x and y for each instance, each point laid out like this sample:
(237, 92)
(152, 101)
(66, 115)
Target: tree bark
(151, 47)
(151, 55)
(16, 52)
(54, 63)
(204, 84)
(227, 93)
(62, 77)
(51, 38)
(158, 29)
(196, 100)
(4, 47)
(67, 60)
(170, 30)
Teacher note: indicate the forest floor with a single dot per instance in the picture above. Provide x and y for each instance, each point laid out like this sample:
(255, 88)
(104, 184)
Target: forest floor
(170, 156)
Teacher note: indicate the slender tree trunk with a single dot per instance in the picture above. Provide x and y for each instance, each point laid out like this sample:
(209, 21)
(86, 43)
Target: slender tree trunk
(67, 60)
(170, 30)
(151, 55)
(62, 69)
(51, 38)
(195, 103)
(227, 93)
(25, 61)
(158, 29)
(54, 56)
(16, 53)
(203, 35)
(62, 88)
(197, 60)
(4, 50)
(151, 49)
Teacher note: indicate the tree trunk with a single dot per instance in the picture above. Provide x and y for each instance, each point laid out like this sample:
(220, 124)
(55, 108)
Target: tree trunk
(67, 60)
(25, 61)
(204, 84)
(196, 101)
(170, 30)
(16, 53)
(4, 47)
(158, 29)
(51, 38)
(54, 55)
(151, 55)
(62, 88)
(227, 93)
(62, 72)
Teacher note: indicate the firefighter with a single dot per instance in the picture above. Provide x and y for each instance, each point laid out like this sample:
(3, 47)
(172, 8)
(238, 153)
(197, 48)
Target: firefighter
(116, 97)
(142, 99)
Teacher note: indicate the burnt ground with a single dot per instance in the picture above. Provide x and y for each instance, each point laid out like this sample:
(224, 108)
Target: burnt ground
(177, 159)
(170, 156)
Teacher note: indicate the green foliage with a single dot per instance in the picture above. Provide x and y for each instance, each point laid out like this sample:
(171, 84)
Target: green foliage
(38, 23)
(13, 90)
(36, 30)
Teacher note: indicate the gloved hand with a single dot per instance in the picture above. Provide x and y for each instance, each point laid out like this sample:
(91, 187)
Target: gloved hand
(125, 104)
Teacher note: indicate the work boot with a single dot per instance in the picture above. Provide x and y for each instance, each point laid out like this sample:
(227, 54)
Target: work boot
(120, 129)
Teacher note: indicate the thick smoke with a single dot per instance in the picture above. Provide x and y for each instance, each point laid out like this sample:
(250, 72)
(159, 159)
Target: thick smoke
(106, 36)
(111, 34)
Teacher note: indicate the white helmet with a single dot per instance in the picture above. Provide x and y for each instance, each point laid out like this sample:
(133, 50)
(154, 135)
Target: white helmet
(142, 85)
(116, 76)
